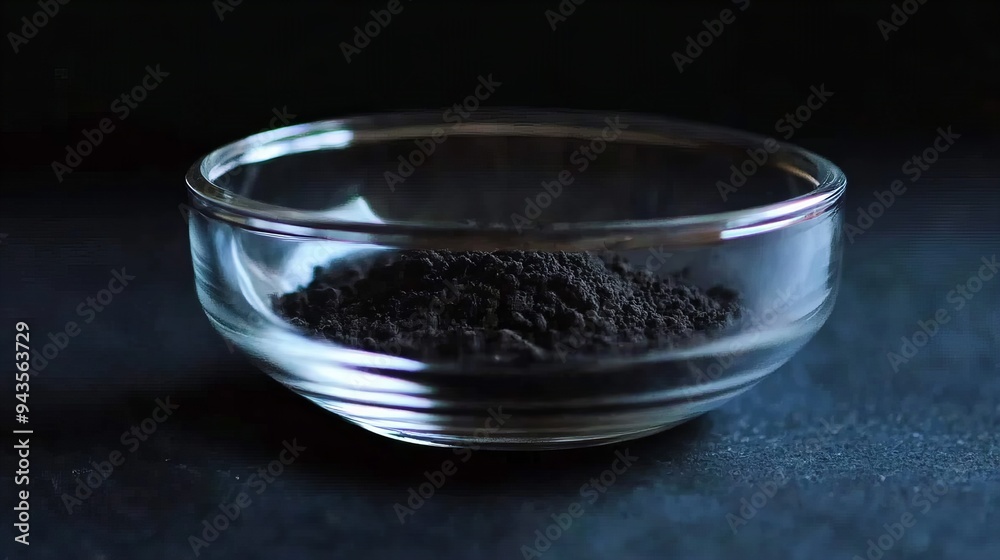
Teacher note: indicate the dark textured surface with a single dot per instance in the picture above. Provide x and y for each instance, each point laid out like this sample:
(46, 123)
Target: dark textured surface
(513, 305)
(854, 440)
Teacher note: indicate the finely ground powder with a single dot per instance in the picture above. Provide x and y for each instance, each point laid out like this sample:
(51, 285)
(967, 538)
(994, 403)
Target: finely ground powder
(517, 306)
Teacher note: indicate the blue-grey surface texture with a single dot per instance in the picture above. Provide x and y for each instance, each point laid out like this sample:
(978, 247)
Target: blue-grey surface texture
(846, 451)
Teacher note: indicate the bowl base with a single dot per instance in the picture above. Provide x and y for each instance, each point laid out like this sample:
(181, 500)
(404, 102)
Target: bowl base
(539, 443)
(509, 426)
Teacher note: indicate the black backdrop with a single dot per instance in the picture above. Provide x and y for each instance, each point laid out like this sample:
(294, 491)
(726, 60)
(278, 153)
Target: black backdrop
(226, 75)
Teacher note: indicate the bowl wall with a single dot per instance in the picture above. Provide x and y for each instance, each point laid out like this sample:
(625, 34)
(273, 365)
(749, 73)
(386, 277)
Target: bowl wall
(509, 185)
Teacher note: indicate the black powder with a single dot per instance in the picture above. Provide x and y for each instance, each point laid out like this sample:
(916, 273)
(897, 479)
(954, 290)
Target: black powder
(518, 306)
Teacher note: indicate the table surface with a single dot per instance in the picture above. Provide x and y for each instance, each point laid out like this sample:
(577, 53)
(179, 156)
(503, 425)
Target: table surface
(832, 455)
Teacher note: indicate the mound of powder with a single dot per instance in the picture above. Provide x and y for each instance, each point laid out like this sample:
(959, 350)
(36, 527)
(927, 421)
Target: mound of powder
(517, 306)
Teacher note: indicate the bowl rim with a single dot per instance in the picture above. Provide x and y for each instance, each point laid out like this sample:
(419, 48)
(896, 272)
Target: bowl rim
(216, 201)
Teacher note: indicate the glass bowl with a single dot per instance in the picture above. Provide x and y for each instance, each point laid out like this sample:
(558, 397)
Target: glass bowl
(713, 206)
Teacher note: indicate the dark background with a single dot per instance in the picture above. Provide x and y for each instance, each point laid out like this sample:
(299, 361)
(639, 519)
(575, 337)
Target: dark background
(226, 76)
(894, 432)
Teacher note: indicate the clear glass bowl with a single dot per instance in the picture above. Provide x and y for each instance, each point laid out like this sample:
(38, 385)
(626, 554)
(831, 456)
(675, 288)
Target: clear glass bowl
(725, 207)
